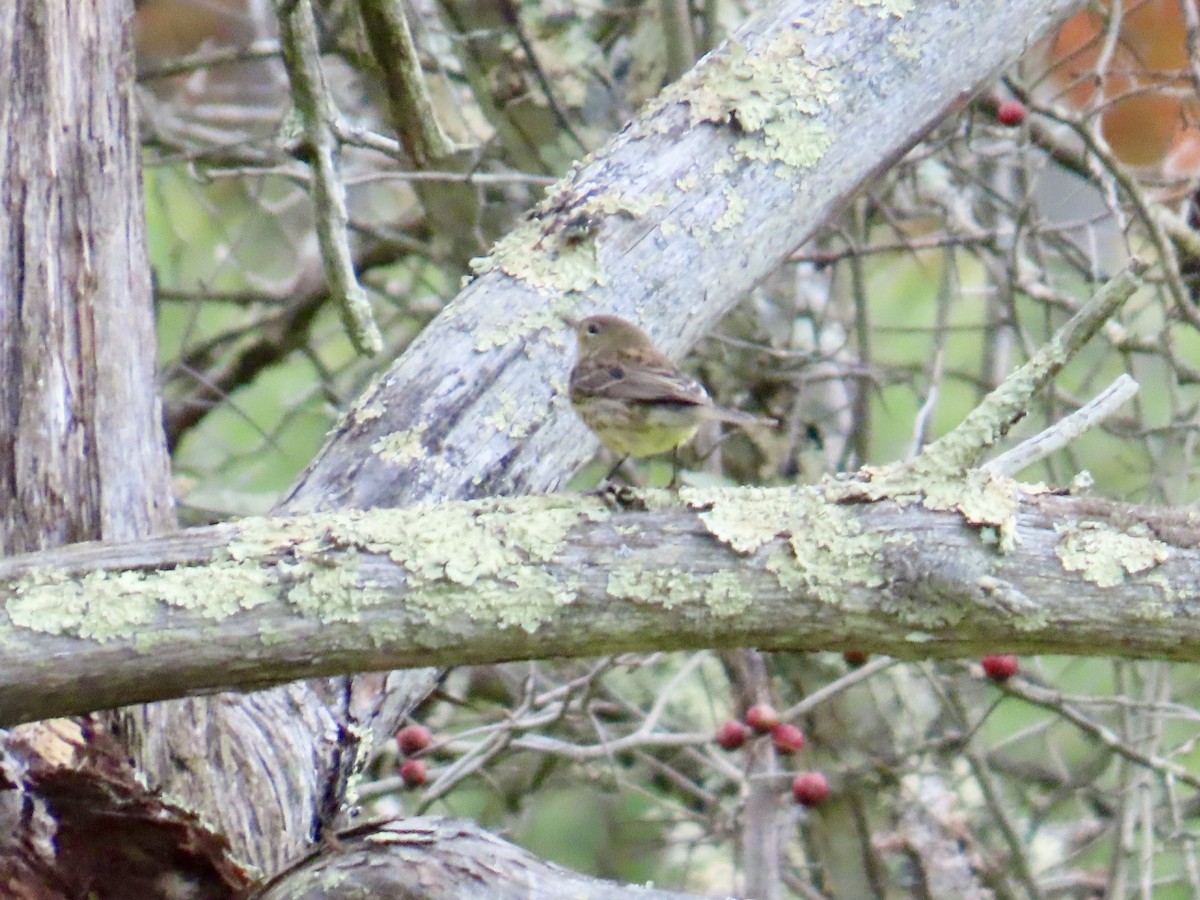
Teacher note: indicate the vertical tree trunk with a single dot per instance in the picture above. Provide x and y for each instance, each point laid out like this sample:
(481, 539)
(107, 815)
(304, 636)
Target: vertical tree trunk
(82, 454)
(82, 450)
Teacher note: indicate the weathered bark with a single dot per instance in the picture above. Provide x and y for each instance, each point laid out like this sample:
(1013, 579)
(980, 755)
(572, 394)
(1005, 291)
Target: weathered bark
(426, 858)
(661, 214)
(82, 454)
(460, 583)
(81, 448)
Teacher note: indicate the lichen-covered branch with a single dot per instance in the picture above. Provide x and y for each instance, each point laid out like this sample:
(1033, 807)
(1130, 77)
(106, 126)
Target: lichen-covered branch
(671, 223)
(412, 111)
(941, 475)
(1067, 429)
(271, 600)
(301, 58)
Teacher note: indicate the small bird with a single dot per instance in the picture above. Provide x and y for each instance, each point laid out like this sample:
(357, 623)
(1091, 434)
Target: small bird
(635, 399)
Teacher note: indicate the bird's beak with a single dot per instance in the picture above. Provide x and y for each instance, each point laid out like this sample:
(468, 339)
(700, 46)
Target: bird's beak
(570, 321)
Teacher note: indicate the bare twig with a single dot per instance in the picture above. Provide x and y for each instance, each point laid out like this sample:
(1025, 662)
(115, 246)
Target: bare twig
(301, 56)
(1062, 432)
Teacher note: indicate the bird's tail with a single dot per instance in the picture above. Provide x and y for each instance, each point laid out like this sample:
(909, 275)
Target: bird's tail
(742, 419)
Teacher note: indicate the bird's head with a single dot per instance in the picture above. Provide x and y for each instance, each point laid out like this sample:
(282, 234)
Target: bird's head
(598, 334)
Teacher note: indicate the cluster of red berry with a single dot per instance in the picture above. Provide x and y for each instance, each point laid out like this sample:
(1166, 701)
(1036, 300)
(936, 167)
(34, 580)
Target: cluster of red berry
(413, 739)
(809, 788)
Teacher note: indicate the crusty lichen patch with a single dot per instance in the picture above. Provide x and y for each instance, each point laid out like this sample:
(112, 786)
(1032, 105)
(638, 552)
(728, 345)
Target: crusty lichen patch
(401, 447)
(735, 211)
(1104, 555)
(100, 606)
(774, 98)
(319, 564)
(479, 545)
(722, 592)
(979, 496)
(554, 250)
(827, 552)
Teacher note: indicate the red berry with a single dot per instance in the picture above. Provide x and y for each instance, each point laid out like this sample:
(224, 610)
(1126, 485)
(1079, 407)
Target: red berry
(414, 773)
(731, 734)
(787, 738)
(762, 717)
(1010, 113)
(855, 658)
(413, 739)
(810, 788)
(999, 668)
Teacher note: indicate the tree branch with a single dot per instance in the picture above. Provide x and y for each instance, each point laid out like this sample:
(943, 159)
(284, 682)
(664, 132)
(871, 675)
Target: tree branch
(302, 58)
(708, 191)
(271, 600)
(455, 858)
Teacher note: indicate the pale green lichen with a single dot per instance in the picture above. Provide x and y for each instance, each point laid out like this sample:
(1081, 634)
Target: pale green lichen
(553, 251)
(509, 417)
(1105, 555)
(827, 553)
(743, 518)
(723, 592)
(401, 447)
(542, 257)
(735, 211)
(775, 97)
(979, 496)
(905, 45)
(97, 607)
(479, 545)
(102, 606)
(726, 594)
(924, 610)
(332, 592)
(525, 599)
(546, 322)
(663, 587)
(466, 563)
(982, 499)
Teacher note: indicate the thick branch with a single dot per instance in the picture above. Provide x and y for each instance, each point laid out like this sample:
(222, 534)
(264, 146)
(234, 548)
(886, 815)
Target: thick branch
(455, 859)
(267, 601)
(683, 212)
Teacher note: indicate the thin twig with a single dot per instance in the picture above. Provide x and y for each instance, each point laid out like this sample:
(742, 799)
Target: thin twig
(301, 57)
(209, 59)
(1065, 430)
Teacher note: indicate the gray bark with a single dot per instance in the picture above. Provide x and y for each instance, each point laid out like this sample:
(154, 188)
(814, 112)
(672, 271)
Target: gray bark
(81, 447)
(427, 858)
(460, 583)
(676, 201)
(82, 454)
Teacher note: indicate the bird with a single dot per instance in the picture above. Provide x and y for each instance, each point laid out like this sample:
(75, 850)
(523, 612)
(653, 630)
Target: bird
(635, 400)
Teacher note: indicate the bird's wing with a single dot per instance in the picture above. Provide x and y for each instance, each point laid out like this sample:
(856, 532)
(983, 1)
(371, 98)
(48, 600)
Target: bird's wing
(640, 384)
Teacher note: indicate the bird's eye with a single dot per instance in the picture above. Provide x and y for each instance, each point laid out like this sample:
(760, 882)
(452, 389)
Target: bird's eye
(617, 373)
(593, 328)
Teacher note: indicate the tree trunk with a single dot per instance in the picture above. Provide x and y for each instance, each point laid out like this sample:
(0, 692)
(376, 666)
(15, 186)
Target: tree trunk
(82, 454)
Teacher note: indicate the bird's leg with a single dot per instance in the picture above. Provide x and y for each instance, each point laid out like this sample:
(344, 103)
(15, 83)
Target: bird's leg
(675, 470)
(613, 471)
